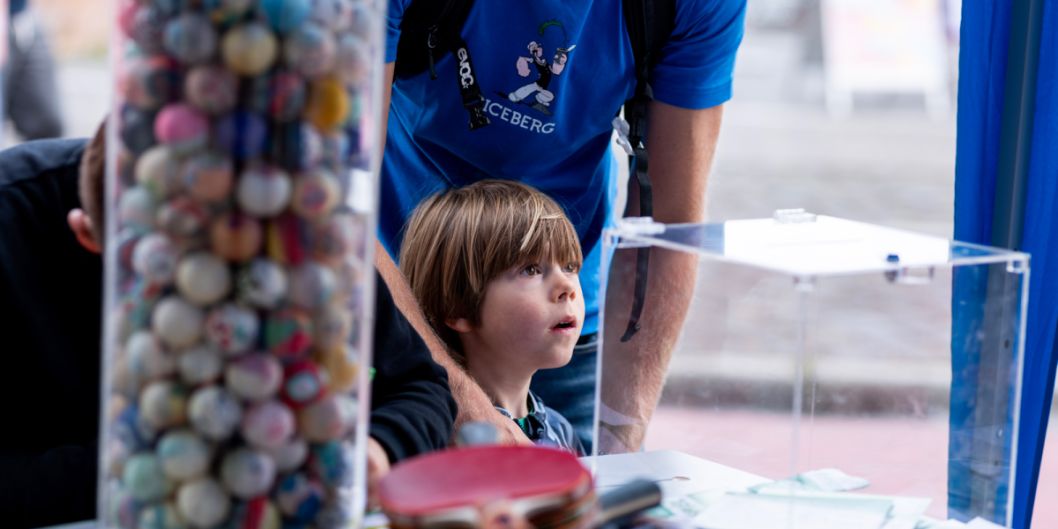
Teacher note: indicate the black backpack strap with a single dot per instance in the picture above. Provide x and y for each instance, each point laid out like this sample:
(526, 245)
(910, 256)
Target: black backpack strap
(649, 24)
(426, 34)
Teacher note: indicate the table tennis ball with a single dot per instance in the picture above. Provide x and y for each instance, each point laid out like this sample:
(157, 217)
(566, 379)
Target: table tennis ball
(262, 283)
(327, 419)
(211, 89)
(290, 455)
(328, 105)
(147, 28)
(342, 369)
(235, 237)
(203, 279)
(286, 96)
(225, 12)
(254, 377)
(316, 194)
(332, 326)
(312, 285)
(145, 479)
(249, 49)
(242, 134)
(183, 454)
(163, 404)
(148, 82)
(352, 59)
(332, 463)
(203, 502)
(146, 358)
(208, 177)
(267, 425)
(190, 38)
(231, 328)
(258, 513)
(199, 365)
(214, 413)
(288, 334)
(263, 191)
(247, 473)
(158, 170)
(176, 322)
(303, 384)
(160, 516)
(285, 15)
(136, 209)
(182, 218)
(155, 259)
(310, 50)
(299, 497)
(136, 133)
(182, 127)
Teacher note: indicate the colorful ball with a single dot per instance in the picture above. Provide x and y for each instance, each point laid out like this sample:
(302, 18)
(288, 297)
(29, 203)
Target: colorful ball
(200, 365)
(144, 478)
(136, 209)
(327, 419)
(310, 50)
(163, 404)
(182, 127)
(203, 502)
(337, 237)
(268, 425)
(316, 194)
(285, 15)
(161, 516)
(183, 218)
(312, 285)
(258, 513)
(249, 49)
(299, 497)
(296, 146)
(332, 463)
(211, 89)
(176, 322)
(232, 329)
(328, 104)
(353, 59)
(333, 14)
(263, 191)
(203, 279)
(137, 129)
(287, 239)
(247, 473)
(243, 134)
(303, 384)
(190, 38)
(235, 237)
(155, 258)
(184, 455)
(214, 413)
(343, 371)
(146, 358)
(147, 30)
(254, 377)
(158, 170)
(332, 327)
(290, 455)
(208, 177)
(288, 334)
(226, 12)
(149, 82)
(262, 283)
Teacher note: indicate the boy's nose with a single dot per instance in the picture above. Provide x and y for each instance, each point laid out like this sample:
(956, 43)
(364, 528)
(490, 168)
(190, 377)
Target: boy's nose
(565, 288)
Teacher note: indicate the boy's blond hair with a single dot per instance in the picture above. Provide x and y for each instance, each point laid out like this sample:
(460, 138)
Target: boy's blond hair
(460, 239)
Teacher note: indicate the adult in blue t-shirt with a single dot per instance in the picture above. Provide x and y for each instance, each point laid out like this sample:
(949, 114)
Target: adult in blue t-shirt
(554, 73)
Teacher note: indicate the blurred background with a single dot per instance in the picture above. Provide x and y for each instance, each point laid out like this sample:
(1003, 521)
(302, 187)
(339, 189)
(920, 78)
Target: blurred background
(841, 107)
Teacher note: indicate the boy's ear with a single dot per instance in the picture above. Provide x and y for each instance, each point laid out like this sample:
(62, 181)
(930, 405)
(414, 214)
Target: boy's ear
(460, 325)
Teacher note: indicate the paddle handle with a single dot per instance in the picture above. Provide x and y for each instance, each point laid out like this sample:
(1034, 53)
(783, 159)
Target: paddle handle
(628, 499)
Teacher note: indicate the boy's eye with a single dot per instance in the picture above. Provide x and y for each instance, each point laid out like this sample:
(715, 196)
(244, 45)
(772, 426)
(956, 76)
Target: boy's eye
(572, 268)
(532, 270)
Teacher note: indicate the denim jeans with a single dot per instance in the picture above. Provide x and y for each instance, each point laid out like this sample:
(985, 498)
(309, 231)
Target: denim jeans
(570, 390)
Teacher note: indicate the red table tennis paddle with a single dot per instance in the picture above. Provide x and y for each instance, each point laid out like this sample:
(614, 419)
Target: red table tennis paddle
(502, 487)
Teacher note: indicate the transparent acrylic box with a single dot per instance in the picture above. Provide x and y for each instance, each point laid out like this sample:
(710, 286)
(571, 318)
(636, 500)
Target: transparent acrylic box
(809, 343)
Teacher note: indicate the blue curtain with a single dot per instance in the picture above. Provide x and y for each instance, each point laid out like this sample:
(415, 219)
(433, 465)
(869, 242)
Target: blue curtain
(982, 68)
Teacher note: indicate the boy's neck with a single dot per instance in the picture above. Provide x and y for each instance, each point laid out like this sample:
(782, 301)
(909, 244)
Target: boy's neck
(506, 386)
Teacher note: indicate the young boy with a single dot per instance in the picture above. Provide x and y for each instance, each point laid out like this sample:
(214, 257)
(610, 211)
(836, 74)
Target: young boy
(494, 266)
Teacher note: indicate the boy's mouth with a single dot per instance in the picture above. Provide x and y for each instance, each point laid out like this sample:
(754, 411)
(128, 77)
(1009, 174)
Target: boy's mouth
(568, 323)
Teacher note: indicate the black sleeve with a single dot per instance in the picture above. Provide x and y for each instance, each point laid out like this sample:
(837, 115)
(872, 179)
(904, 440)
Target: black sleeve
(412, 409)
(55, 487)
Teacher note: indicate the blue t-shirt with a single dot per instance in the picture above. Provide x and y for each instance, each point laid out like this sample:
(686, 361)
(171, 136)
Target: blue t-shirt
(551, 120)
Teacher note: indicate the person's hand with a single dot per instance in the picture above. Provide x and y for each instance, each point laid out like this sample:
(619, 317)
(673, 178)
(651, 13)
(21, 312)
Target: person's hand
(377, 467)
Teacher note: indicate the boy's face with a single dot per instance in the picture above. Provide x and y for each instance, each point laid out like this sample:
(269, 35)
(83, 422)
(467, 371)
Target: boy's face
(531, 316)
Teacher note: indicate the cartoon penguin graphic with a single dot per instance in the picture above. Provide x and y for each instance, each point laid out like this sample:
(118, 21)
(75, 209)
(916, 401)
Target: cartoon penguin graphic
(536, 93)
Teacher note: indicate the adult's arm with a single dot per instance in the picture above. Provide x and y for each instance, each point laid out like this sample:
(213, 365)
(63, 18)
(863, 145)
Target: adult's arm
(682, 143)
(412, 410)
(474, 405)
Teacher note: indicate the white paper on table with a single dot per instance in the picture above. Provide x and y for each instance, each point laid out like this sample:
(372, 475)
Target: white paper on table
(766, 511)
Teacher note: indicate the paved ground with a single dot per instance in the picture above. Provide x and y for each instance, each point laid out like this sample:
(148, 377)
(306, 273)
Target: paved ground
(887, 163)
